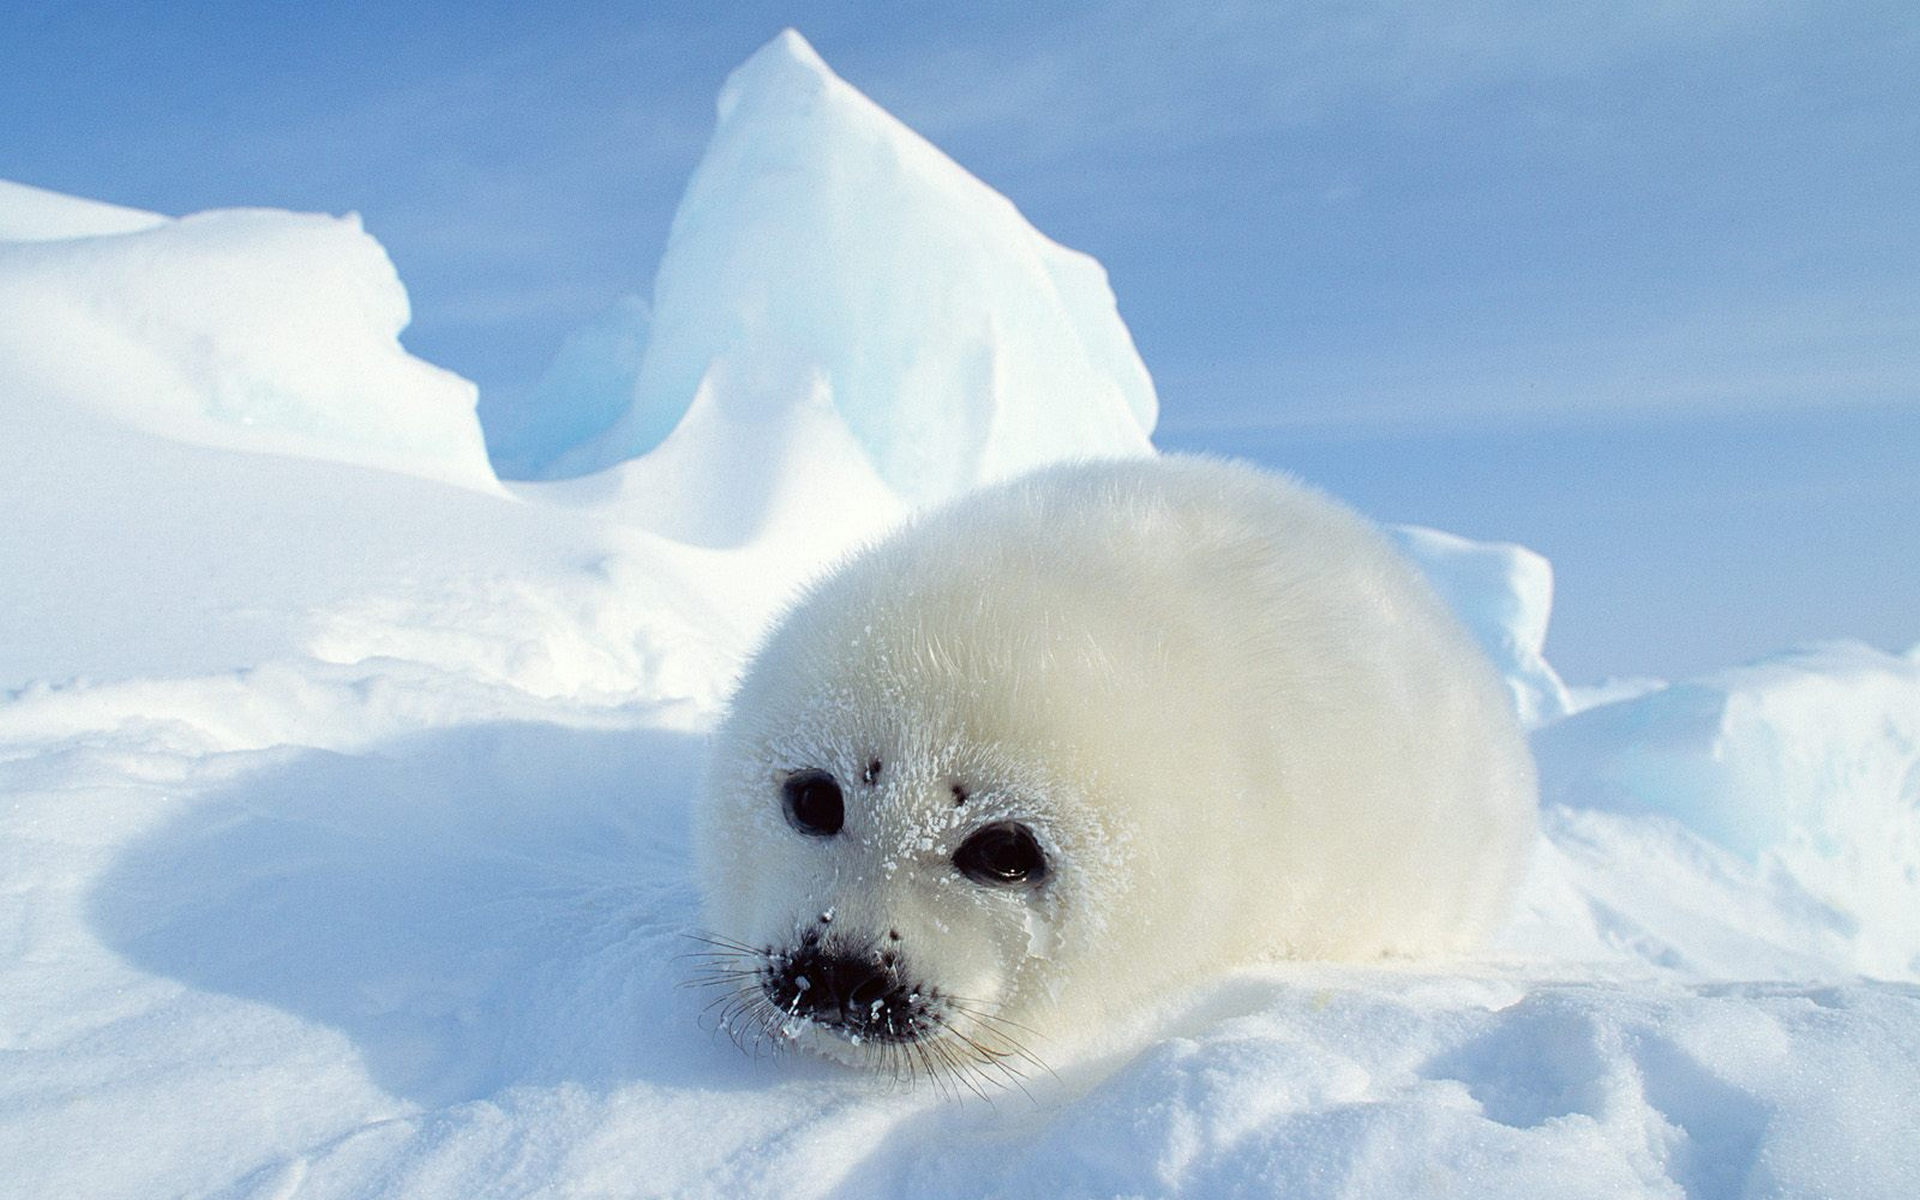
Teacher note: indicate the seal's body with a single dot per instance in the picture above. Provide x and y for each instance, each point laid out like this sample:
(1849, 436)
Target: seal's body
(1075, 741)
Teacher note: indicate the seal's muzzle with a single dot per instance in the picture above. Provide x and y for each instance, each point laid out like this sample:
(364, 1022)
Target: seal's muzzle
(861, 994)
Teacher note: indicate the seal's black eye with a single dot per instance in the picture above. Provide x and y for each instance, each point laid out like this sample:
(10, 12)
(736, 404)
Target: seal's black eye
(1002, 854)
(813, 803)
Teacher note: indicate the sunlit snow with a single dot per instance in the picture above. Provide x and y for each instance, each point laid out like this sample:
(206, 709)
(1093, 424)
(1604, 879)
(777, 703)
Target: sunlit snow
(344, 788)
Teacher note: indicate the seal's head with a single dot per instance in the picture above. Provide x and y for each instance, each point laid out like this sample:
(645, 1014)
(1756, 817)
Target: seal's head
(899, 880)
(902, 847)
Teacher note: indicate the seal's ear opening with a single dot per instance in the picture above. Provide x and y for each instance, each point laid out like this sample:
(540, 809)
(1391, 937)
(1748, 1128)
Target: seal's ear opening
(814, 804)
(1002, 855)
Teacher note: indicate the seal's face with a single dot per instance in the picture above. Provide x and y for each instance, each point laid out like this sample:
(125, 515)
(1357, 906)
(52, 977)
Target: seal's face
(910, 850)
(889, 910)
(864, 988)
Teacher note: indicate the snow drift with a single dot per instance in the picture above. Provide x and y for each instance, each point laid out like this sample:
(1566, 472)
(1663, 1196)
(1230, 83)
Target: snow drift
(246, 330)
(31, 214)
(1805, 765)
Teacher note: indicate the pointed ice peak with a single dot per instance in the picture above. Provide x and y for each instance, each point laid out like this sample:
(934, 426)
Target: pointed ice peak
(786, 68)
(819, 235)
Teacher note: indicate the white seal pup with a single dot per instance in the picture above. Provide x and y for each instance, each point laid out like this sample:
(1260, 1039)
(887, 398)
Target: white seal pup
(1074, 742)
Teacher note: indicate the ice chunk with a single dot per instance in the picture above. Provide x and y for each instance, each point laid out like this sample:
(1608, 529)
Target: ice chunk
(584, 390)
(820, 235)
(1504, 594)
(1809, 761)
(251, 330)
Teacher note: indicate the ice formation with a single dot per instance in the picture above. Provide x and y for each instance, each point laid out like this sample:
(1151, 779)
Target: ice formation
(758, 460)
(1807, 762)
(1504, 594)
(245, 330)
(821, 239)
(584, 390)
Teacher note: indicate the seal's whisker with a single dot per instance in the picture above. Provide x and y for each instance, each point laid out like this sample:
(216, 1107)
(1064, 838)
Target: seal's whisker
(713, 971)
(723, 967)
(1003, 1072)
(915, 1056)
(988, 1059)
(905, 1068)
(715, 979)
(986, 1026)
(724, 1024)
(954, 1070)
(971, 1074)
(1003, 1047)
(980, 1010)
(720, 954)
(721, 943)
(939, 1061)
(1014, 1050)
(938, 1068)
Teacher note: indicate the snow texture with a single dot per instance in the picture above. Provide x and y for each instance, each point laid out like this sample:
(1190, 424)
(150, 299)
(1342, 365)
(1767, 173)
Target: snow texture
(245, 330)
(1504, 594)
(344, 793)
(1805, 765)
(31, 214)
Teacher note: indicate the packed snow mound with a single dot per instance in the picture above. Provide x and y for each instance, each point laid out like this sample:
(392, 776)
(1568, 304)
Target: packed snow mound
(761, 461)
(1806, 764)
(254, 330)
(1503, 593)
(31, 214)
(821, 235)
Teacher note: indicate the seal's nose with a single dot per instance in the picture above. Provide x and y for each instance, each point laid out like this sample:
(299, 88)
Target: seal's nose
(854, 991)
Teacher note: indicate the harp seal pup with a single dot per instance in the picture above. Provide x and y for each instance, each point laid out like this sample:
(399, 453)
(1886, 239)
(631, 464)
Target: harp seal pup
(1078, 741)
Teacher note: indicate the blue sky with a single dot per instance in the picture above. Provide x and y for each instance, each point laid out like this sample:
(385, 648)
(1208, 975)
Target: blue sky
(1637, 283)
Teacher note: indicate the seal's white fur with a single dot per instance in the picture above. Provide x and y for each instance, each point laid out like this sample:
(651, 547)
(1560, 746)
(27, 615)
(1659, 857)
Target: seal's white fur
(1238, 721)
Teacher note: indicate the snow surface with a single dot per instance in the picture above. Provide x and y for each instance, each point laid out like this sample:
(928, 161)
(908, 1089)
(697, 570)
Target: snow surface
(344, 792)
(1806, 764)
(31, 214)
(247, 329)
(1504, 594)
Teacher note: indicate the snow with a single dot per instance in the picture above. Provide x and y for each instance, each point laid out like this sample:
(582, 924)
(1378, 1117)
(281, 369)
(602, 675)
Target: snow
(1806, 765)
(583, 391)
(248, 330)
(31, 214)
(344, 790)
(1504, 594)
